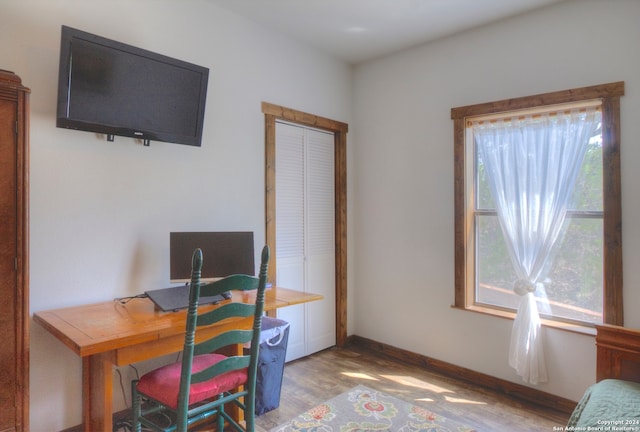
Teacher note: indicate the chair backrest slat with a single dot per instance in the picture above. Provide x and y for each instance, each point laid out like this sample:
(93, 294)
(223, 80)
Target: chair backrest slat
(223, 340)
(236, 282)
(229, 310)
(227, 365)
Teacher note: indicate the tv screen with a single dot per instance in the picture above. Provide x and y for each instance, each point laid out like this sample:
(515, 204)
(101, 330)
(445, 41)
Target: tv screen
(112, 88)
(224, 254)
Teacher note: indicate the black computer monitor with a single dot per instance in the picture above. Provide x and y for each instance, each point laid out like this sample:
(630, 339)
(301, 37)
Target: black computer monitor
(224, 254)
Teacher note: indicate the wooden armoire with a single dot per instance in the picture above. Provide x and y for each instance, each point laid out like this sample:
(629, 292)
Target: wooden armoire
(14, 254)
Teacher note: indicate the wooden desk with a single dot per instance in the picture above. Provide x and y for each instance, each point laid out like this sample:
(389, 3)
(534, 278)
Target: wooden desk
(112, 334)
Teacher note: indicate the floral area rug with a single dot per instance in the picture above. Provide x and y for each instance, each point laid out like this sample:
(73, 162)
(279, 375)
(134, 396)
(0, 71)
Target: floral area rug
(362, 409)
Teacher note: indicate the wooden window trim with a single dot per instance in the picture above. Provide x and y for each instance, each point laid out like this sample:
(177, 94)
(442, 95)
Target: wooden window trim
(609, 94)
(271, 114)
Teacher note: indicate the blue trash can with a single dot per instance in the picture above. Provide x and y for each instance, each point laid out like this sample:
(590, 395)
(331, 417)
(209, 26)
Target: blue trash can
(273, 350)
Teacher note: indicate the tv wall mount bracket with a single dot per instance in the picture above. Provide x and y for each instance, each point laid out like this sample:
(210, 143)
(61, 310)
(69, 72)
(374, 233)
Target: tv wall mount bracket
(145, 141)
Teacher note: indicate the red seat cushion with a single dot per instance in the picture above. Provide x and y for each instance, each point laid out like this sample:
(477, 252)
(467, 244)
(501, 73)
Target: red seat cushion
(163, 384)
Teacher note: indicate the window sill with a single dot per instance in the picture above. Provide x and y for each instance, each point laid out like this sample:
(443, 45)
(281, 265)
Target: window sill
(559, 325)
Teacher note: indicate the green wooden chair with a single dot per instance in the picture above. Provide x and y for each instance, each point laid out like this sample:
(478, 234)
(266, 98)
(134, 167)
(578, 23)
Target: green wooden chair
(199, 386)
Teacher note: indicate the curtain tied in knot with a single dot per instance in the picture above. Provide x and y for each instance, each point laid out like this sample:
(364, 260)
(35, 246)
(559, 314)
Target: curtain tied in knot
(524, 286)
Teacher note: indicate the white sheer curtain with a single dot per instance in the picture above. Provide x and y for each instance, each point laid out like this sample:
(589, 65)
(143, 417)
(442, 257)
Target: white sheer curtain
(531, 164)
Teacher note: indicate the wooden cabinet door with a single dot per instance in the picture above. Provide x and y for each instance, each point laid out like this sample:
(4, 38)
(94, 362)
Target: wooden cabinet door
(13, 255)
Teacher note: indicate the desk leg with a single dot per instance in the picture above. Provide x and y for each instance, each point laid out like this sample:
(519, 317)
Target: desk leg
(97, 392)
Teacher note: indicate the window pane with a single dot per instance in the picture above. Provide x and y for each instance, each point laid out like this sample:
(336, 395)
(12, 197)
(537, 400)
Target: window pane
(574, 286)
(494, 269)
(587, 195)
(485, 199)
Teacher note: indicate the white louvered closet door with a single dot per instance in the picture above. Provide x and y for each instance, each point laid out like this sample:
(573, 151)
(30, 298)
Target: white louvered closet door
(305, 240)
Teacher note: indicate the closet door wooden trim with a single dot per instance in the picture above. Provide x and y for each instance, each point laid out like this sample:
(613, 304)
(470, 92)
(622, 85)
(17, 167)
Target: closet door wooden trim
(275, 112)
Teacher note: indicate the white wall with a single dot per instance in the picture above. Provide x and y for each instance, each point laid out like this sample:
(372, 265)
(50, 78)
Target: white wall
(101, 212)
(404, 261)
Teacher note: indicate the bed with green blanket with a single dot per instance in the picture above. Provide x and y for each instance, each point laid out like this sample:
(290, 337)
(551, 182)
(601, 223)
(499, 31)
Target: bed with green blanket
(610, 402)
(613, 403)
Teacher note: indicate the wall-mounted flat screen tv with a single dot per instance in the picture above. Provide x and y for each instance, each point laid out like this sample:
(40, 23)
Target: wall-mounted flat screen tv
(112, 88)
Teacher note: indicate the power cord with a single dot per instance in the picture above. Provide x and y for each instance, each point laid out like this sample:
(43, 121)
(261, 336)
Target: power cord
(125, 424)
(124, 394)
(125, 300)
(136, 371)
(122, 425)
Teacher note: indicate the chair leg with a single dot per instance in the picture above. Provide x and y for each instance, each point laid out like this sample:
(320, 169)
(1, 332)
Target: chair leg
(249, 418)
(220, 420)
(135, 408)
(250, 412)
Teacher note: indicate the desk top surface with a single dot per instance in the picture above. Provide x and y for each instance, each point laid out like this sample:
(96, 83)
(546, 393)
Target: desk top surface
(100, 327)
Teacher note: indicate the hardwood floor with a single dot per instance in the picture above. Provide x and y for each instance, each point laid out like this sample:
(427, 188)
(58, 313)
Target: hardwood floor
(312, 380)
(315, 379)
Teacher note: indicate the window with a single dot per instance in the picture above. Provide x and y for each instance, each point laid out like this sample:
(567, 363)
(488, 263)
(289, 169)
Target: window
(584, 284)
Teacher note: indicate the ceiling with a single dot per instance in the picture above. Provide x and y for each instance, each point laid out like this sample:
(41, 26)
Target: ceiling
(360, 30)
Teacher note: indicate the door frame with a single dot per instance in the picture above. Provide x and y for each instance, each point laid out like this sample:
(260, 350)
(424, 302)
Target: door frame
(271, 114)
